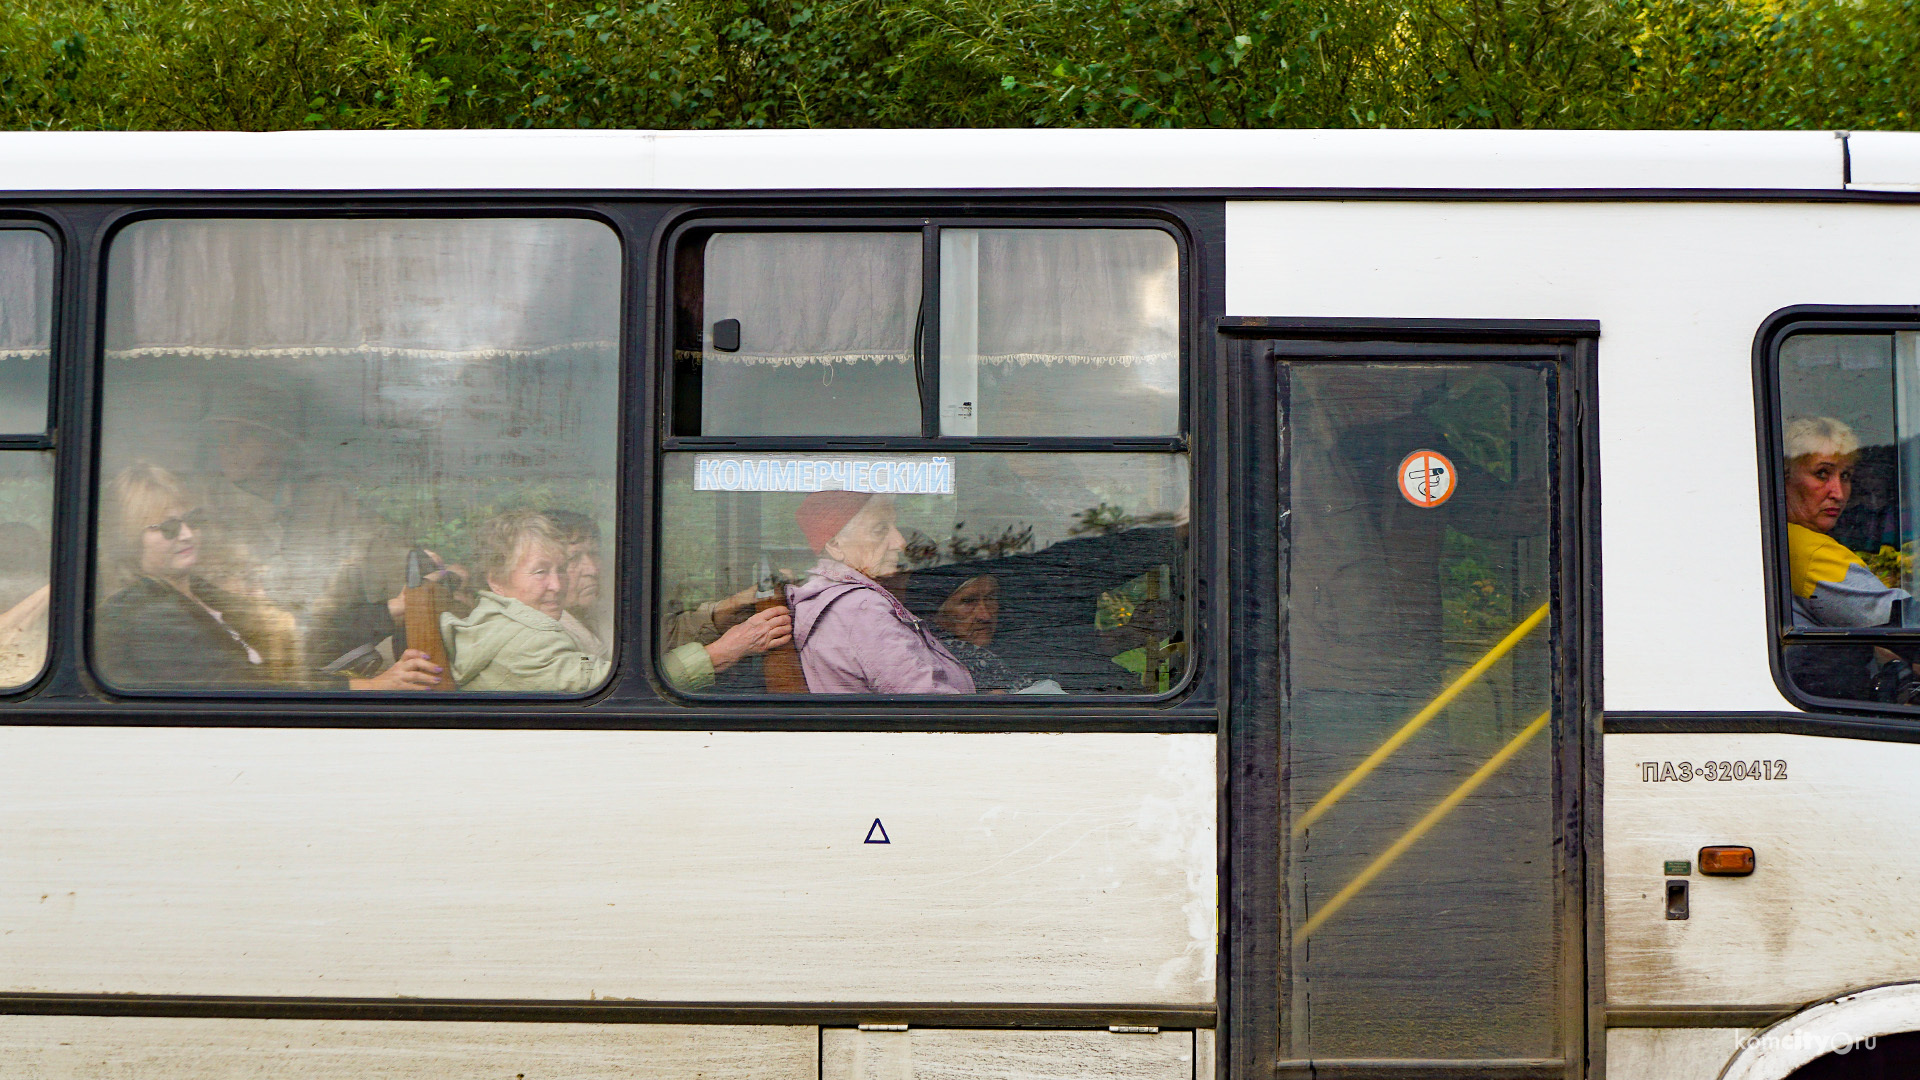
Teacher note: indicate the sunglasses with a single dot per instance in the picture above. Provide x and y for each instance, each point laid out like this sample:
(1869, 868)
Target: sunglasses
(171, 527)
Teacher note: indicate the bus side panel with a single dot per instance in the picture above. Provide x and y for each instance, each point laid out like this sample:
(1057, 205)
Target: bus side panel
(1671, 1053)
(1829, 906)
(156, 1048)
(925, 1053)
(683, 866)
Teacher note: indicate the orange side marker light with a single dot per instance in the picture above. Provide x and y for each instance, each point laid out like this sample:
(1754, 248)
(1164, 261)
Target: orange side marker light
(1726, 861)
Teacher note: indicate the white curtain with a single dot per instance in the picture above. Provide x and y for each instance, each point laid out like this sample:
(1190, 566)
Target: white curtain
(1076, 296)
(26, 294)
(479, 287)
(815, 297)
(1046, 296)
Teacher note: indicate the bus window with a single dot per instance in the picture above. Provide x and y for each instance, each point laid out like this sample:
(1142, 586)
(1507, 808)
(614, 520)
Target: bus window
(799, 333)
(26, 474)
(961, 573)
(1059, 332)
(1849, 469)
(358, 454)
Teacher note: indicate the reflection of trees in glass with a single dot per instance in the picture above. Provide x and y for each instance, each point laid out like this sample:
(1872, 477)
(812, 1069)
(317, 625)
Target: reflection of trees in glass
(1476, 415)
(924, 551)
(1107, 519)
(1892, 565)
(1474, 601)
(442, 516)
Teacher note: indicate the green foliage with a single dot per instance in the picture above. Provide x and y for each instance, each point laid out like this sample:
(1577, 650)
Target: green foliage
(277, 64)
(1475, 605)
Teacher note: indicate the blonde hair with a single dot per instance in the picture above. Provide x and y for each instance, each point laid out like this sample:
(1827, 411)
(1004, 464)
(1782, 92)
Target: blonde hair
(501, 538)
(140, 496)
(1805, 435)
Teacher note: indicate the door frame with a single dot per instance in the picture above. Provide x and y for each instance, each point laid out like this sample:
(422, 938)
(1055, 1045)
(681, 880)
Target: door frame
(1255, 951)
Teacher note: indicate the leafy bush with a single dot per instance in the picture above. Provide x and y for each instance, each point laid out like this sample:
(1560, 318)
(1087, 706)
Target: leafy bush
(276, 64)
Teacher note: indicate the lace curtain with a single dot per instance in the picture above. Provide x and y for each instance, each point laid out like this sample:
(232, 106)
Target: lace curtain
(26, 294)
(474, 287)
(1046, 296)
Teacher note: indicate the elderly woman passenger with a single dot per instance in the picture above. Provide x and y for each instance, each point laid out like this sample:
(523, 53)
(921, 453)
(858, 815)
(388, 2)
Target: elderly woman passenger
(513, 638)
(1831, 585)
(854, 637)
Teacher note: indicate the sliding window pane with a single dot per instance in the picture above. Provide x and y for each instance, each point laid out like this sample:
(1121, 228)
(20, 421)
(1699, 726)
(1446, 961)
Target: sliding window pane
(801, 333)
(1059, 332)
(26, 329)
(336, 451)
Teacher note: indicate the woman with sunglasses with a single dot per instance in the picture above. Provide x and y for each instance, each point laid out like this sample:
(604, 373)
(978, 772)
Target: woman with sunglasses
(170, 628)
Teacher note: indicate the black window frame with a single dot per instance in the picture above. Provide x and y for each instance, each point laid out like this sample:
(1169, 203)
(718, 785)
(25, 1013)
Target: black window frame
(316, 209)
(46, 441)
(1781, 633)
(632, 699)
(929, 218)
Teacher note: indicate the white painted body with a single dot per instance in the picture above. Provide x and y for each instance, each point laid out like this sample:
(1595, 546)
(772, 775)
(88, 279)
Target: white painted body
(662, 866)
(1023, 868)
(1679, 290)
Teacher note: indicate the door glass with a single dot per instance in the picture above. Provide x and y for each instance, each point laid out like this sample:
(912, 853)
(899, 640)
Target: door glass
(1421, 897)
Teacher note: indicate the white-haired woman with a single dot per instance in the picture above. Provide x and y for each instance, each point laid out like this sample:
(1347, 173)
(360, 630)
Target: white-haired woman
(1831, 585)
(513, 639)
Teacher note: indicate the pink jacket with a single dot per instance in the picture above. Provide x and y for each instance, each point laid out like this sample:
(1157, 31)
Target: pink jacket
(855, 638)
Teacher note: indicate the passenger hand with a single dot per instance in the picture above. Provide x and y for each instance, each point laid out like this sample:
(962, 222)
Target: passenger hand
(769, 629)
(452, 575)
(732, 610)
(413, 671)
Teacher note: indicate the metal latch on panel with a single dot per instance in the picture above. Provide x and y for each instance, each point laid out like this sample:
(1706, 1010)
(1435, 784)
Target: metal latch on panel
(1677, 899)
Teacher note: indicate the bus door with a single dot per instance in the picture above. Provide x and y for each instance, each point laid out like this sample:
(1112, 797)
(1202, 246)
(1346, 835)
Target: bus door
(1425, 727)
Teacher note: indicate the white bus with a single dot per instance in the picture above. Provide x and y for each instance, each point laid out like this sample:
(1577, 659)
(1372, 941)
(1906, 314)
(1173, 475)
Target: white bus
(970, 603)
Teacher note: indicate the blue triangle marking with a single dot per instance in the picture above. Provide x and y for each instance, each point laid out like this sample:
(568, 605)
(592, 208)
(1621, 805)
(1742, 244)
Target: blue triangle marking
(876, 827)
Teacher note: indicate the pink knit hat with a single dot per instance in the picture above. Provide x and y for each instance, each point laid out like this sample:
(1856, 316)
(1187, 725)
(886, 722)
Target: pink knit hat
(824, 513)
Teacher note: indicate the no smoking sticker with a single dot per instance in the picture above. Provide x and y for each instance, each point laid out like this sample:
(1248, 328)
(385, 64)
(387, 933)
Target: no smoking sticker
(1426, 478)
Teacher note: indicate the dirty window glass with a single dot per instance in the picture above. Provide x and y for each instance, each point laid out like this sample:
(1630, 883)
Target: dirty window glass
(26, 475)
(358, 455)
(1850, 469)
(26, 329)
(975, 572)
(1421, 900)
(1059, 332)
(798, 333)
(26, 510)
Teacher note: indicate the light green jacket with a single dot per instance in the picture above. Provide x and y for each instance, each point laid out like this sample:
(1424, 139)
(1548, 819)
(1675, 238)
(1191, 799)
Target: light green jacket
(688, 667)
(506, 645)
